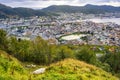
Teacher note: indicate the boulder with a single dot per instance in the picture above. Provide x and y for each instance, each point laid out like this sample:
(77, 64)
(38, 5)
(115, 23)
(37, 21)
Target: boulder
(39, 71)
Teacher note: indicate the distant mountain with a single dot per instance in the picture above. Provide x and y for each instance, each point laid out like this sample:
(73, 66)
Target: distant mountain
(27, 12)
(6, 12)
(84, 9)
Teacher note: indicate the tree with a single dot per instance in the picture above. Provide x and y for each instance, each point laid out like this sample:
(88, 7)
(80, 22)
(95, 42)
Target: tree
(87, 55)
(41, 50)
(21, 49)
(113, 59)
(3, 40)
(64, 52)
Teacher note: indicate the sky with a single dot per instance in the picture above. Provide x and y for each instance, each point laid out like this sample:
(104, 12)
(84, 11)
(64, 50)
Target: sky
(38, 4)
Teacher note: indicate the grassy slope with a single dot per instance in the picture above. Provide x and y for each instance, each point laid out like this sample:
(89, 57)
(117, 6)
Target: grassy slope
(10, 68)
(68, 69)
(71, 69)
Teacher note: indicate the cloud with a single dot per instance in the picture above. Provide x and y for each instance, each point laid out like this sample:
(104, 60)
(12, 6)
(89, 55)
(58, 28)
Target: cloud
(35, 3)
(113, 3)
(45, 3)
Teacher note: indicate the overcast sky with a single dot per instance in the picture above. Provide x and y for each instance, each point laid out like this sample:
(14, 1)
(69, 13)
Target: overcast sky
(45, 3)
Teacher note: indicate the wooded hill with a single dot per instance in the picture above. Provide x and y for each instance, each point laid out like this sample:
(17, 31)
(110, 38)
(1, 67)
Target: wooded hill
(7, 12)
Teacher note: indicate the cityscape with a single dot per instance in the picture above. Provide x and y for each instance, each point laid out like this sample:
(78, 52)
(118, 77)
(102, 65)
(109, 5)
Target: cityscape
(53, 28)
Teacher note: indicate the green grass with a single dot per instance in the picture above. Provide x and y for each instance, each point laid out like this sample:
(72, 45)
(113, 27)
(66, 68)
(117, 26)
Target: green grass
(11, 68)
(68, 69)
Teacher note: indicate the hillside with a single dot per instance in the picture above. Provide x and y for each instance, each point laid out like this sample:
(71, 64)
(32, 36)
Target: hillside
(6, 12)
(10, 68)
(70, 69)
(94, 9)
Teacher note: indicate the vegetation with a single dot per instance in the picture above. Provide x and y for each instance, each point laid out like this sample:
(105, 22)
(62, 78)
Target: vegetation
(88, 9)
(10, 68)
(41, 52)
(112, 57)
(70, 69)
(9, 12)
(3, 40)
(86, 55)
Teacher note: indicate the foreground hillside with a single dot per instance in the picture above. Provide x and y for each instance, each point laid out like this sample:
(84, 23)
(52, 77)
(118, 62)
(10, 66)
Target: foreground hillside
(10, 68)
(70, 69)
